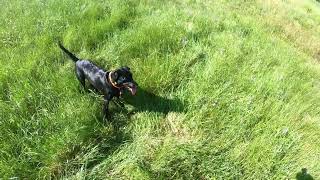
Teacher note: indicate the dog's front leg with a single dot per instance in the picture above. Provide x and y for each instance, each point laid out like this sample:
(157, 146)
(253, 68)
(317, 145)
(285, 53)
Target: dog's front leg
(118, 102)
(106, 108)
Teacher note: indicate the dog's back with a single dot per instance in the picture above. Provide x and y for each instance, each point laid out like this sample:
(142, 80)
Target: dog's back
(94, 74)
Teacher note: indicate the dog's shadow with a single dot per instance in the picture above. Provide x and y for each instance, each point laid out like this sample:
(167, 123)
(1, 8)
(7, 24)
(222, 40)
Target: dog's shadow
(145, 101)
(108, 136)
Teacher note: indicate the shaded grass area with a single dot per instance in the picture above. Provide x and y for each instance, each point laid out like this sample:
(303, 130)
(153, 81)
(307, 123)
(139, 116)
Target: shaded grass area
(221, 94)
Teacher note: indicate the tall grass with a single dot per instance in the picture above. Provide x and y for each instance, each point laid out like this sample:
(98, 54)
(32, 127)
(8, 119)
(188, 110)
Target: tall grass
(226, 90)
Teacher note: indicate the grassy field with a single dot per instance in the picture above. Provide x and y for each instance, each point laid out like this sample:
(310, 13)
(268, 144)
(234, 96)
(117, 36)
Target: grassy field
(228, 89)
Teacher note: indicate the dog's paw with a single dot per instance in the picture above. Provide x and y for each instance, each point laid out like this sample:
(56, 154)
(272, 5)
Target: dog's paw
(106, 118)
(119, 103)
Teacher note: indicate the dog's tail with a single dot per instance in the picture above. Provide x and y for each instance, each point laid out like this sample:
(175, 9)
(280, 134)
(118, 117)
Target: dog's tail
(72, 56)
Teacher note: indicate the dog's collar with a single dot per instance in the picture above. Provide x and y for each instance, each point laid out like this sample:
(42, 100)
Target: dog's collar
(114, 84)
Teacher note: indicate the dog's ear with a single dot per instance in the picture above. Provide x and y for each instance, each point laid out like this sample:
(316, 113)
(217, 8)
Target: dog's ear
(114, 75)
(126, 68)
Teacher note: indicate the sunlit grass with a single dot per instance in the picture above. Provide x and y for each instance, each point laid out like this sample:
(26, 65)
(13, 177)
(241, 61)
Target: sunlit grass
(227, 90)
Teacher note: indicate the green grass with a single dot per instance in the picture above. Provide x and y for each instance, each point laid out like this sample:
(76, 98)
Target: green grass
(228, 90)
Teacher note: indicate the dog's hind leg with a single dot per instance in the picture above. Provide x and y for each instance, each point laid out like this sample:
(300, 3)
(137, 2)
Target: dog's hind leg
(81, 78)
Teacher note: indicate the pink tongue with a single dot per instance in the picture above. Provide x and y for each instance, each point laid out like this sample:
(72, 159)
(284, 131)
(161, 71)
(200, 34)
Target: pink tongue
(133, 90)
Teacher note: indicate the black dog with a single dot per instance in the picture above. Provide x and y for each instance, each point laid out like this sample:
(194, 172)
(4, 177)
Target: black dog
(109, 83)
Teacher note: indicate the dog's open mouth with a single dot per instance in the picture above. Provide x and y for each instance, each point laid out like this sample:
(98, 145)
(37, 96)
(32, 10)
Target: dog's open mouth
(131, 87)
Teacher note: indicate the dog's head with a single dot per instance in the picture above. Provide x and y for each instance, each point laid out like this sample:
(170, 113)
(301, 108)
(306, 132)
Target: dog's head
(122, 78)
